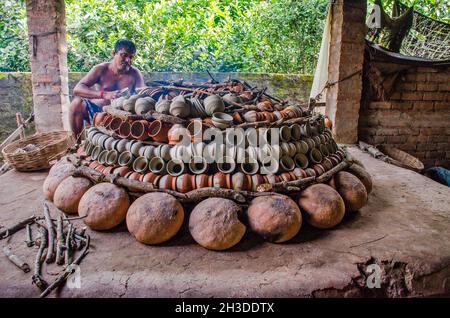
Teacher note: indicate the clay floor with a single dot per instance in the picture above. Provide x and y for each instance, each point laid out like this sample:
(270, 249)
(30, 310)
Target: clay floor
(405, 228)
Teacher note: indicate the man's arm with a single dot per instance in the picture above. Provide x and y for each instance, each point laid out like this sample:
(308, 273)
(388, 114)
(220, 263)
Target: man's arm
(83, 87)
(139, 80)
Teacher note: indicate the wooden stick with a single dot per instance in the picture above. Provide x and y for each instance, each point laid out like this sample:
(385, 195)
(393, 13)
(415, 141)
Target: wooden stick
(37, 279)
(51, 235)
(16, 260)
(68, 254)
(19, 121)
(60, 241)
(29, 239)
(286, 186)
(255, 124)
(10, 231)
(151, 115)
(327, 175)
(124, 115)
(69, 270)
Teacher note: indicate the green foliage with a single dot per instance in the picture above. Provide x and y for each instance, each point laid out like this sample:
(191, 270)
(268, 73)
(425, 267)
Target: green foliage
(13, 37)
(187, 35)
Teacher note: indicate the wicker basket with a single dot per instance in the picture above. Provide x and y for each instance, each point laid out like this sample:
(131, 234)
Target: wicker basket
(51, 145)
(401, 158)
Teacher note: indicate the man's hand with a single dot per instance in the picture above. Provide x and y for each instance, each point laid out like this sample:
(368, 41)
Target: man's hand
(111, 95)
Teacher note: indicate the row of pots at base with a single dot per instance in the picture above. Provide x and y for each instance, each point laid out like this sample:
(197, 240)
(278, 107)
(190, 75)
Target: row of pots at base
(199, 165)
(187, 182)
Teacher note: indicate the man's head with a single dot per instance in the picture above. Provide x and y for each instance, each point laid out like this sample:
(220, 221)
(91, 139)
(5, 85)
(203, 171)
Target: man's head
(123, 54)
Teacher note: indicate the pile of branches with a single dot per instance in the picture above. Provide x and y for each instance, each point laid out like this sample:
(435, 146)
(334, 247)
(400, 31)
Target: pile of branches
(62, 243)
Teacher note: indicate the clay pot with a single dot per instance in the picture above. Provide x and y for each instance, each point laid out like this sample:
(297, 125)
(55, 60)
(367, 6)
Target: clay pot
(157, 165)
(164, 151)
(56, 175)
(111, 157)
(69, 192)
(125, 159)
(310, 172)
(108, 170)
(324, 150)
(139, 130)
(265, 106)
(198, 165)
(121, 145)
(295, 131)
(121, 171)
(135, 176)
(163, 106)
(276, 218)
(287, 164)
(184, 183)
(102, 157)
(286, 176)
(179, 107)
(227, 166)
(196, 128)
(335, 160)
(220, 180)
(175, 167)
(328, 123)
(285, 133)
(140, 164)
(151, 178)
(251, 116)
(155, 218)
(319, 169)
(237, 118)
(327, 164)
(129, 104)
(315, 156)
(115, 124)
(214, 224)
(239, 181)
(257, 180)
(301, 161)
(144, 105)
(299, 173)
(213, 104)
(351, 189)
(201, 181)
(125, 129)
(176, 134)
(100, 168)
(322, 205)
(98, 118)
(232, 99)
(158, 131)
(105, 206)
(250, 166)
(362, 175)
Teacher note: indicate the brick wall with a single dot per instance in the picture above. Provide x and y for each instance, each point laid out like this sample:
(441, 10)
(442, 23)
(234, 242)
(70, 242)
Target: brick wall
(415, 117)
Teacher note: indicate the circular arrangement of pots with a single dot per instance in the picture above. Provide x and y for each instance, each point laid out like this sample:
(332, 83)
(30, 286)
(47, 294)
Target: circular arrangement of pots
(176, 155)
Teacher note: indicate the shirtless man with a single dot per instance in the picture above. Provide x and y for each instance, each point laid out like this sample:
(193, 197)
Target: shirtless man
(110, 77)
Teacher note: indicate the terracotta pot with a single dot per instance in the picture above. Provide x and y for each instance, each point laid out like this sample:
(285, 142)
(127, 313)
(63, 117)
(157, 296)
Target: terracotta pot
(265, 106)
(98, 118)
(213, 104)
(272, 178)
(220, 180)
(251, 116)
(121, 171)
(175, 167)
(335, 159)
(257, 180)
(184, 183)
(285, 176)
(100, 168)
(94, 164)
(176, 134)
(115, 124)
(166, 182)
(125, 129)
(179, 107)
(158, 130)
(310, 172)
(287, 164)
(227, 166)
(299, 173)
(327, 164)
(301, 161)
(319, 169)
(249, 182)
(201, 181)
(285, 133)
(250, 166)
(112, 156)
(239, 181)
(151, 178)
(140, 164)
(108, 170)
(139, 130)
(196, 129)
(315, 156)
(237, 118)
(102, 157)
(121, 145)
(198, 165)
(129, 173)
(135, 176)
(341, 154)
(163, 106)
(157, 165)
(125, 159)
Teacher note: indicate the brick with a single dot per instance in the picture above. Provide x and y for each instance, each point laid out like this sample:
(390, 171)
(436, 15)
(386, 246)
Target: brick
(423, 106)
(438, 138)
(441, 77)
(443, 163)
(387, 132)
(427, 87)
(424, 69)
(431, 131)
(426, 147)
(435, 155)
(408, 86)
(444, 87)
(428, 162)
(402, 105)
(396, 139)
(412, 96)
(424, 77)
(379, 105)
(442, 146)
(447, 154)
(440, 106)
(378, 140)
(438, 96)
(396, 96)
(408, 131)
(409, 148)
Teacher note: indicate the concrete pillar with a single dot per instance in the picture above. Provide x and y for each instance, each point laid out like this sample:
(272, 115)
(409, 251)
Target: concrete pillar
(348, 30)
(48, 57)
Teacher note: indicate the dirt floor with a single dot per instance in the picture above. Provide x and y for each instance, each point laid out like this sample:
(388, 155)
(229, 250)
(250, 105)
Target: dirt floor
(405, 229)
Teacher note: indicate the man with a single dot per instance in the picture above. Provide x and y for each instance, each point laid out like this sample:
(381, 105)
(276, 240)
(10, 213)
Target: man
(111, 77)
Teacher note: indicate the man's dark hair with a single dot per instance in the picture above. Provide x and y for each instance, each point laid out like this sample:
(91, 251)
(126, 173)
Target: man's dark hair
(126, 44)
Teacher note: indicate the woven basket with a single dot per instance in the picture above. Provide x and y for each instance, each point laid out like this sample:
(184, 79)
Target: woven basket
(401, 158)
(51, 145)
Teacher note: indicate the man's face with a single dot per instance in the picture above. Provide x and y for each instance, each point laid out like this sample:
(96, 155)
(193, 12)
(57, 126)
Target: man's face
(122, 60)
